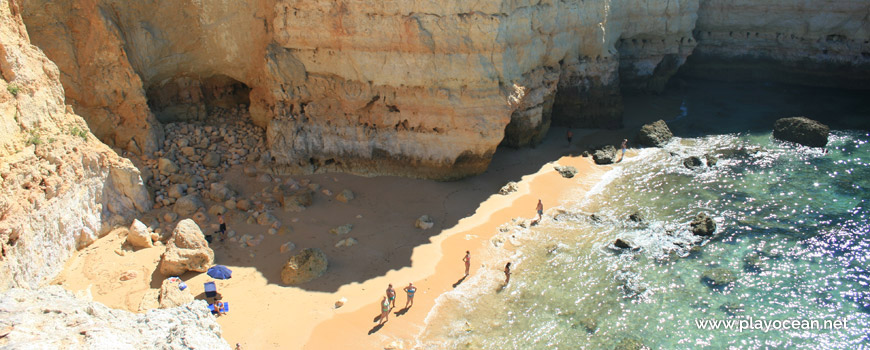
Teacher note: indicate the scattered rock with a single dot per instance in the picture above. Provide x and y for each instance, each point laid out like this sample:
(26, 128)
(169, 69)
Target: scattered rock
(566, 171)
(340, 302)
(305, 266)
(655, 134)
(711, 159)
(692, 162)
(211, 160)
(718, 277)
(345, 196)
(801, 130)
(341, 230)
(186, 250)
(702, 225)
(622, 244)
(636, 217)
(326, 192)
(171, 295)
(128, 275)
(298, 200)
(286, 247)
(187, 205)
(170, 217)
(139, 236)
(166, 166)
(605, 155)
(266, 219)
(347, 242)
(510, 187)
(177, 190)
(424, 222)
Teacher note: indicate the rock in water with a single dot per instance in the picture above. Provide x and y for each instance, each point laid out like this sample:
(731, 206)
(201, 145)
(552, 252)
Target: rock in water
(171, 295)
(711, 159)
(619, 243)
(655, 134)
(605, 155)
(801, 130)
(139, 236)
(309, 264)
(566, 171)
(345, 196)
(692, 162)
(73, 323)
(703, 225)
(187, 205)
(424, 222)
(186, 250)
(718, 277)
(636, 217)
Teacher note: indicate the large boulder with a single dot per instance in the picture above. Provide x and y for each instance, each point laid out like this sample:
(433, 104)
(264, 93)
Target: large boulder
(655, 134)
(702, 225)
(171, 294)
(139, 235)
(605, 155)
(566, 171)
(186, 250)
(692, 162)
(801, 130)
(187, 205)
(305, 266)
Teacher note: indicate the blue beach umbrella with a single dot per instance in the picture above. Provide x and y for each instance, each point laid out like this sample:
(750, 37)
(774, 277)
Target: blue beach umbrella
(219, 272)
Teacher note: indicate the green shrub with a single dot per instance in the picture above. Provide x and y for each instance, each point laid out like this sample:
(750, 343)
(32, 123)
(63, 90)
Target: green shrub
(34, 138)
(76, 131)
(13, 89)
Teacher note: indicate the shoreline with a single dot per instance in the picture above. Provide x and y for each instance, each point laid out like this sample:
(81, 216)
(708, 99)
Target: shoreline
(441, 261)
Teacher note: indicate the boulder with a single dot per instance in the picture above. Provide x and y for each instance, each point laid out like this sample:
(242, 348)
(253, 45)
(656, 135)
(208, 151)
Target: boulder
(305, 266)
(655, 134)
(692, 162)
(636, 217)
(176, 190)
(801, 130)
(219, 192)
(621, 244)
(605, 155)
(243, 205)
(150, 300)
(171, 295)
(211, 160)
(345, 196)
(166, 166)
(297, 200)
(266, 219)
(186, 250)
(217, 209)
(424, 222)
(702, 225)
(510, 187)
(286, 247)
(718, 277)
(170, 217)
(566, 171)
(711, 159)
(341, 230)
(187, 205)
(139, 235)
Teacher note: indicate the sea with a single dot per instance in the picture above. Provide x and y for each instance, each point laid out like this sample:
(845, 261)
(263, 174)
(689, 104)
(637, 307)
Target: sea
(788, 266)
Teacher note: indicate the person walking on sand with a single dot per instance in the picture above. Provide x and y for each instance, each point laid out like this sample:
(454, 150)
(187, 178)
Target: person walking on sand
(624, 146)
(540, 209)
(467, 260)
(569, 135)
(391, 294)
(410, 289)
(507, 273)
(222, 228)
(385, 311)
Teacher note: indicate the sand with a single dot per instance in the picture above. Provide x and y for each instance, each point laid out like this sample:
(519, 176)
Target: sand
(265, 314)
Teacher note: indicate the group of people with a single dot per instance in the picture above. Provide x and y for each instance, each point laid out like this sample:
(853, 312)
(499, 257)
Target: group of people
(388, 302)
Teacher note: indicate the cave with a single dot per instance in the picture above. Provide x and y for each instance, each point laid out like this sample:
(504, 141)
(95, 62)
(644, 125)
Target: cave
(188, 98)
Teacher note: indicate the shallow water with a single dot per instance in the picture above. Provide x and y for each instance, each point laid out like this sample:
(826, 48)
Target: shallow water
(792, 229)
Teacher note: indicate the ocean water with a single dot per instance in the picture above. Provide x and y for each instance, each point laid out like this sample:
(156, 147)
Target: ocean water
(792, 233)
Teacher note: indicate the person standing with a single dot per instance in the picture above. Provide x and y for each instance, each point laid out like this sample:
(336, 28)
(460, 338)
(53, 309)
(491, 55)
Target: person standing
(222, 228)
(385, 311)
(569, 135)
(507, 273)
(540, 209)
(467, 260)
(391, 295)
(410, 289)
(624, 146)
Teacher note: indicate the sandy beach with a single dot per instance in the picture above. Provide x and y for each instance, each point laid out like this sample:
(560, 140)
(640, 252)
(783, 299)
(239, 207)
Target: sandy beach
(266, 314)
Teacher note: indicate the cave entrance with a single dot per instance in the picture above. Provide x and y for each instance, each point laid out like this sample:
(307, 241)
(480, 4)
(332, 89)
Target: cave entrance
(187, 98)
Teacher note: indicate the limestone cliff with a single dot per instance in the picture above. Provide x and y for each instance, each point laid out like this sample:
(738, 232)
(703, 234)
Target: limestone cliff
(426, 89)
(60, 184)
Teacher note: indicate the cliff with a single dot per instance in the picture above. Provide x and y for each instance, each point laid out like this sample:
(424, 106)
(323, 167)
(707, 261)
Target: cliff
(61, 186)
(52, 318)
(425, 89)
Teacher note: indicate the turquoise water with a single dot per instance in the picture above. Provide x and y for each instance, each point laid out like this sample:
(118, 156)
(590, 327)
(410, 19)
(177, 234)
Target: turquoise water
(792, 229)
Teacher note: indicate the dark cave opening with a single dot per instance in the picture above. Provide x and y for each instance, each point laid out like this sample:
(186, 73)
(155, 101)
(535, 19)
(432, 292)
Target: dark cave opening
(187, 98)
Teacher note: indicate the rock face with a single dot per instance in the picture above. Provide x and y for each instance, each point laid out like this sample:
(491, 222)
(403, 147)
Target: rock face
(186, 250)
(655, 134)
(52, 318)
(702, 225)
(60, 186)
(305, 266)
(801, 130)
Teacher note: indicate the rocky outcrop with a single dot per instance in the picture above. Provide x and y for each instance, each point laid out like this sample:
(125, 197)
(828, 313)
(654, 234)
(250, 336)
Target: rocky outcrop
(186, 250)
(702, 225)
(52, 318)
(605, 155)
(60, 187)
(801, 130)
(305, 266)
(655, 134)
